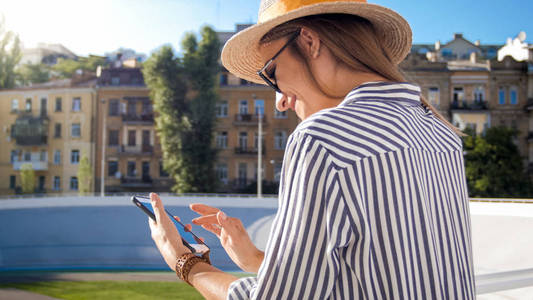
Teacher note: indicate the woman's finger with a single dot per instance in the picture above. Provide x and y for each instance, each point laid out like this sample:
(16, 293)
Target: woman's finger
(177, 218)
(212, 228)
(203, 209)
(209, 219)
(157, 205)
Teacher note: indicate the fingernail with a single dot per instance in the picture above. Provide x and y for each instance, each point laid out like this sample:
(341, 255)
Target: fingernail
(223, 215)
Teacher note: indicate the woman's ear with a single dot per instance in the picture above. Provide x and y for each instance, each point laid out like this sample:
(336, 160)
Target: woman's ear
(309, 42)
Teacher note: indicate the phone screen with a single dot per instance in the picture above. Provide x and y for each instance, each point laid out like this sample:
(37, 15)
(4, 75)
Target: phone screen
(190, 240)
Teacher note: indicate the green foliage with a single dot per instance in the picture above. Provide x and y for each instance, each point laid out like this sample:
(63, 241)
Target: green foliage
(494, 167)
(27, 178)
(84, 175)
(34, 73)
(184, 95)
(67, 67)
(10, 55)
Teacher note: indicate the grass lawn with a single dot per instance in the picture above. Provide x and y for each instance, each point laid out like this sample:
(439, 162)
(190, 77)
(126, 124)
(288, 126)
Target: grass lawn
(130, 290)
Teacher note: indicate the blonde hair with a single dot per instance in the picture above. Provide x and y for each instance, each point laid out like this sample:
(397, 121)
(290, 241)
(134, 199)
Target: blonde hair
(353, 42)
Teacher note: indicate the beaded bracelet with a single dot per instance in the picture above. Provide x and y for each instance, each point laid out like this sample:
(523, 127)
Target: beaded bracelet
(185, 263)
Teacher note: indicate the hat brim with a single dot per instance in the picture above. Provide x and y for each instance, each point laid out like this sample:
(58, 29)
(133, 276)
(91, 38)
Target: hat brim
(241, 57)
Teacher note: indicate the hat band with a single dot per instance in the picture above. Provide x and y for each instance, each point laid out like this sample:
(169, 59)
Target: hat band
(281, 7)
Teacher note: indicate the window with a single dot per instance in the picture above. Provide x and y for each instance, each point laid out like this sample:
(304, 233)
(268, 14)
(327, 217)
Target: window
(41, 183)
(277, 172)
(27, 156)
(14, 105)
(243, 140)
(43, 156)
(434, 96)
(146, 108)
(28, 104)
(131, 138)
(244, 82)
(76, 130)
(256, 141)
(131, 169)
(115, 80)
(513, 95)
(74, 183)
(113, 107)
(113, 137)
(44, 105)
(458, 94)
(479, 94)
(14, 156)
(222, 173)
(280, 114)
(58, 104)
(75, 156)
(76, 104)
(57, 157)
(57, 183)
(222, 109)
(223, 79)
(12, 181)
(501, 95)
(162, 172)
(112, 168)
(259, 107)
(280, 140)
(222, 140)
(447, 52)
(243, 107)
(514, 125)
(132, 111)
(57, 130)
(241, 175)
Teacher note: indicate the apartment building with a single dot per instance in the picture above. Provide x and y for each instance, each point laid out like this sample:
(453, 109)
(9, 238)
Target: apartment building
(49, 126)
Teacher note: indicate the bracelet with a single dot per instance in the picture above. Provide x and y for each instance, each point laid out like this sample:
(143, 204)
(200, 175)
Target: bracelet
(185, 263)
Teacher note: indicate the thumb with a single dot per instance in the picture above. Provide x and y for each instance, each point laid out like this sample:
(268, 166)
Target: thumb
(222, 218)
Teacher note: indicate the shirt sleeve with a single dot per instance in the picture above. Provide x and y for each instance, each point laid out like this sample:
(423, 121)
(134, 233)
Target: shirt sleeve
(302, 255)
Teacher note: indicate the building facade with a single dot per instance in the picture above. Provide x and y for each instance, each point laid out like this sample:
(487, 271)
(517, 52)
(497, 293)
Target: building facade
(50, 127)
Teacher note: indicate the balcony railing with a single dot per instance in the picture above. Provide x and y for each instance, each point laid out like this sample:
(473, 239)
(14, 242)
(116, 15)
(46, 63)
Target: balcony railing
(36, 165)
(248, 120)
(135, 118)
(137, 150)
(469, 104)
(246, 150)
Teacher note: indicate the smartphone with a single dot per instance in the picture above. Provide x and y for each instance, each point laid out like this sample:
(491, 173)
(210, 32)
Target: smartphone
(189, 239)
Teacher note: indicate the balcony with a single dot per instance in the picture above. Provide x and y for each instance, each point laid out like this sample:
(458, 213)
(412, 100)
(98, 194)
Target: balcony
(246, 150)
(144, 118)
(145, 181)
(37, 165)
(30, 131)
(136, 150)
(468, 105)
(248, 120)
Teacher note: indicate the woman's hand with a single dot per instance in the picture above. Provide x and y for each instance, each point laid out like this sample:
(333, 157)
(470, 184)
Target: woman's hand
(165, 234)
(232, 235)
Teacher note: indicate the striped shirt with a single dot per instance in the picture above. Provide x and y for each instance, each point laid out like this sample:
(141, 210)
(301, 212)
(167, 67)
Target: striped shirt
(373, 205)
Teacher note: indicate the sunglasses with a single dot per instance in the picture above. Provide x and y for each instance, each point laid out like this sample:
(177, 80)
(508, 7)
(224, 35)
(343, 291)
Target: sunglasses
(266, 74)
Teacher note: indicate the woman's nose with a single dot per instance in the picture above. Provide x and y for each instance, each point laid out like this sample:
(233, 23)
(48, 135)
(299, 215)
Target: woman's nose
(282, 103)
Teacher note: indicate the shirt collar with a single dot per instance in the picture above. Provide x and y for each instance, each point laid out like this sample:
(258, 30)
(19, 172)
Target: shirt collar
(381, 90)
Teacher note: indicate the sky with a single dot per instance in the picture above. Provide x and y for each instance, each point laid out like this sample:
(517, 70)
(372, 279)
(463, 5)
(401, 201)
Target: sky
(98, 26)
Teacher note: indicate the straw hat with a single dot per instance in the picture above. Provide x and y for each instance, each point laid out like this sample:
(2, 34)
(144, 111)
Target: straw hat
(240, 54)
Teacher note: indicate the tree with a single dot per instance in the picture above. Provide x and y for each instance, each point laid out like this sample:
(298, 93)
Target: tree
(10, 55)
(184, 93)
(27, 178)
(34, 73)
(494, 167)
(84, 175)
(67, 67)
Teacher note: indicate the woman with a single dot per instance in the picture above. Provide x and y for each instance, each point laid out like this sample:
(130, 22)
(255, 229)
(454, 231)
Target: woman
(373, 198)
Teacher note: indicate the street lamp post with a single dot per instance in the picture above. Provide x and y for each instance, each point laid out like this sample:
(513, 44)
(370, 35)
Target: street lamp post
(259, 154)
(102, 174)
